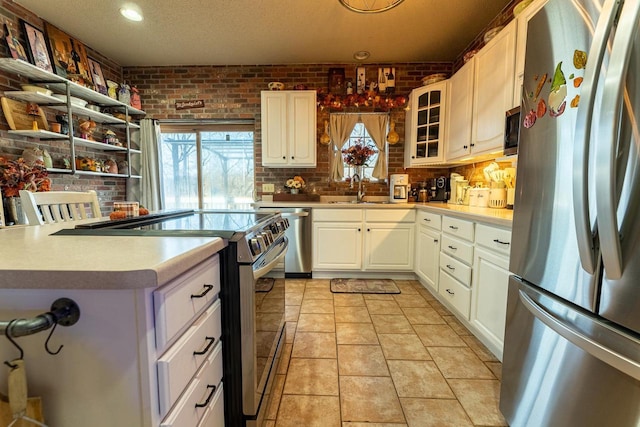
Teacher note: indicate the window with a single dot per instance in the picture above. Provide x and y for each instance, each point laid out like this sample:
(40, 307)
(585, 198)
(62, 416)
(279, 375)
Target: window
(359, 135)
(207, 166)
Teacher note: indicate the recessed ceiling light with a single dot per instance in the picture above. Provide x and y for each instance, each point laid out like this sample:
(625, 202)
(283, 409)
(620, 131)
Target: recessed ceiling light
(361, 55)
(132, 12)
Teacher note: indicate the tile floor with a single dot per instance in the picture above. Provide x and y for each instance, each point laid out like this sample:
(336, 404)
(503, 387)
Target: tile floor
(364, 360)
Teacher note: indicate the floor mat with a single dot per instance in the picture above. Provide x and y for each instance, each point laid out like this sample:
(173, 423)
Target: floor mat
(264, 284)
(364, 286)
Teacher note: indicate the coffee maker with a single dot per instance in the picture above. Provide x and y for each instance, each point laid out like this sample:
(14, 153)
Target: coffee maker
(439, 189)
(399, 188)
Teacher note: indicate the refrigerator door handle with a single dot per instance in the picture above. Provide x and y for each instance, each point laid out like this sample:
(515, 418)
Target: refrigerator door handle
(586, 246)
(612, 358)
(607, 143)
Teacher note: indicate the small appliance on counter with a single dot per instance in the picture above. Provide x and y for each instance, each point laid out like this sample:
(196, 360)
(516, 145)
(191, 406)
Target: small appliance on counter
(439, 189)
(454, 177)
(399, 188)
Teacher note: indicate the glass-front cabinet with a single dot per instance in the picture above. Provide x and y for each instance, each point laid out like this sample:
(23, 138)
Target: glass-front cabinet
(424, 125)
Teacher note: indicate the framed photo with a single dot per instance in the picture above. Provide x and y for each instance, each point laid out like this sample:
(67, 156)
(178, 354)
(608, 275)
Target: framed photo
(69, 56)
(14, 45)
(337, 85)
(38, 53)
(96, 75)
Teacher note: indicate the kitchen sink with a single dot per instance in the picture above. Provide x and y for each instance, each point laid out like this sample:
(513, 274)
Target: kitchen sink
(353, 202)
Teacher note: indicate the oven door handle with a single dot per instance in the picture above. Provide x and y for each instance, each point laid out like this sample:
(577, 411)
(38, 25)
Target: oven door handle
(269, 263)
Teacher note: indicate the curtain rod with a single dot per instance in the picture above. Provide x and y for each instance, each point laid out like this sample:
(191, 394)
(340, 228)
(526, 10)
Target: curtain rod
(344, 113)
(207, 121)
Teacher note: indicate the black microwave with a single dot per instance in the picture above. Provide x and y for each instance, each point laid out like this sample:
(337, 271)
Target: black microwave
(512, 131)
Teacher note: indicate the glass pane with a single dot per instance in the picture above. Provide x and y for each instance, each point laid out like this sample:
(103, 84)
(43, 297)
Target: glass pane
(422, 117)
(421, 151)
(435, 97)
(179, 170)
(422, 134)
(433, 149)
(423, 100)
(434, 132)
(434, 115)
(360, 136)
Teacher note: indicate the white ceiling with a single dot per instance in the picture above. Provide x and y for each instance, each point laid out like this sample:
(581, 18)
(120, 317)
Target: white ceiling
(244, 32)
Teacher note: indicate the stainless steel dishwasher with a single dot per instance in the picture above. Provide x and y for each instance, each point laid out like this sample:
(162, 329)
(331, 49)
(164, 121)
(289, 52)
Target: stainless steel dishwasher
(298, 261)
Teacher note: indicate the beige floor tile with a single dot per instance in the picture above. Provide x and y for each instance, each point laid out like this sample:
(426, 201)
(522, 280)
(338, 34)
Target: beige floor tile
(352, 314)
(318, 293)
(456, 325)
(293, 298)
(403, 347)
(408, 300)
(441, 309)
(496, 368)
(459, 363)
(290, 331)
(276, 394)
(391, 323)
(383, 306)
(356, 333)
(271, 305)
(317, 306)
(361, 360)
(316, 322)
(318, 283)
(312, 376)
(407, 287)
(438, 336)
(372, 425)
(480, 398)
(283, 366)
(348, 300)
(309, 411)
(414, 378)
(434, 413)
(479, 349)
(291, 313)
(379, 297)
(269, 423)
(295, 284)
(369, 399)
(314, 344)
(423, 316)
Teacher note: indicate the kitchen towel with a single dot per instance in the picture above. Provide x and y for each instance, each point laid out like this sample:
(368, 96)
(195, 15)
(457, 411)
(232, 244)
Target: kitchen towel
(364, 286)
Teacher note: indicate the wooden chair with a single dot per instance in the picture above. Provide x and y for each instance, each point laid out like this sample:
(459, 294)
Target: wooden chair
(50, 207)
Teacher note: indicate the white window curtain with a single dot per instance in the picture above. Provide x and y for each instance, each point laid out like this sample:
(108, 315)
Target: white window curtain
(341, 126)
(151, 187)
(377, 125)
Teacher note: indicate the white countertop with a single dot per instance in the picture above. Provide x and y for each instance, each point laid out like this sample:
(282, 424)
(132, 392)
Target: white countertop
(30, 258)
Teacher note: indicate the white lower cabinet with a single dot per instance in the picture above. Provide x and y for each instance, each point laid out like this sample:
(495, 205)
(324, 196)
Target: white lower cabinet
(363, 239)
(455, 293)
(428, 257)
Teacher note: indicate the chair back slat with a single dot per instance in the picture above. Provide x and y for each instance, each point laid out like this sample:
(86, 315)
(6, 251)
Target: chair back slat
(59, 206)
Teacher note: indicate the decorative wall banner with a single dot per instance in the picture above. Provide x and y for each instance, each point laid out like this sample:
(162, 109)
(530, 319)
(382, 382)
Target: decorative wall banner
(192, 103)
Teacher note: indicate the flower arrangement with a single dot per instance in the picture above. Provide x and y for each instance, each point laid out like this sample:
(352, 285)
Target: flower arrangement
(357, 155)
(16, 175)
(295, 183)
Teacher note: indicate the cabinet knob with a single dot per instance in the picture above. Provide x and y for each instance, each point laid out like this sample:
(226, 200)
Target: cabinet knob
(359, 229)
(284, 157)
(465, 146)
(413, 157)
(368, 229)
(435, 240)
(292, 157)
(473, 145)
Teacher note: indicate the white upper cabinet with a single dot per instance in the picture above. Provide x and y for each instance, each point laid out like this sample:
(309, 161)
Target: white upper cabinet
(460, 103)
(425, 121)
(288, 128)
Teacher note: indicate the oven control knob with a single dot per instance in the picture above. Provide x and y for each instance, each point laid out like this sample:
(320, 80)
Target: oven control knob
(254, 244)
(262, 243)
(268, 238)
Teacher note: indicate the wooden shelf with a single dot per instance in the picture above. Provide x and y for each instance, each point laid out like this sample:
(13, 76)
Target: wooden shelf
(97, 144)
(41, 134)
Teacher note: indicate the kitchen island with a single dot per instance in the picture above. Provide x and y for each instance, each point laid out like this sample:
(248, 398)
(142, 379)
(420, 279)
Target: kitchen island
(135, 314)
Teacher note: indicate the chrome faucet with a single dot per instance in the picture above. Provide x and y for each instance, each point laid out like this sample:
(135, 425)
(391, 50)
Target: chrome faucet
(361, 188)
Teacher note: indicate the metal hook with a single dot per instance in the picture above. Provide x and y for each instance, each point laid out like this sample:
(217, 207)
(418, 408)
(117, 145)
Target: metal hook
(46, 343)
(7, 333)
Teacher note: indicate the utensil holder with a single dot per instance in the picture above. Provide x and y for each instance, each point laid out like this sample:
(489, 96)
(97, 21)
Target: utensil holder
(498, 198)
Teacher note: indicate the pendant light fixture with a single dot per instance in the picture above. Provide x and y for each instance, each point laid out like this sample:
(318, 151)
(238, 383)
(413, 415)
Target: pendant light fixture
(370, 6)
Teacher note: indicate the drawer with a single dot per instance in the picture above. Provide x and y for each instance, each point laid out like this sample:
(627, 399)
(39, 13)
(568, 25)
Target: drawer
(390, 215)
(458, 295)
(201, 394)
(457, 269)
(429, 219)
(178, 303)
(457, 248)
(214, 417)
(342, 215)
(458, 227)
(178, 365)
(497, 239)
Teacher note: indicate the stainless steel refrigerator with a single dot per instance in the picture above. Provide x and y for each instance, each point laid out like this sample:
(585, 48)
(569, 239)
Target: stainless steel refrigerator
(572, 339)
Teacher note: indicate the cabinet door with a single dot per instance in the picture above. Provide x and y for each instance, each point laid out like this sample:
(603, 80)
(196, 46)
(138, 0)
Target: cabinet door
(302, 128)
(493, 90)
(337, 246)
(428, 257)
(489, 298)
(389, 246)
(428, 109)
(460, 102)
(274, 128)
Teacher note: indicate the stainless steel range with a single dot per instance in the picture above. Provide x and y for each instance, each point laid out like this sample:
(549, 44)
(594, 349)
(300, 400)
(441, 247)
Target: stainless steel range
(252, 317)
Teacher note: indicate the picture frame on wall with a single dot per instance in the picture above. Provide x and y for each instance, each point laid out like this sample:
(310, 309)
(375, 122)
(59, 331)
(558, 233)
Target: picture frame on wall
(14, 45)
(96, 75)
(361, 80)
(337, 85)
(37, 47)
(69, 56)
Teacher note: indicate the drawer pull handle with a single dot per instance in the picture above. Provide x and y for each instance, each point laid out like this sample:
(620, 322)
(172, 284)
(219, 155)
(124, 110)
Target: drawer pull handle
(427, 219)
(207, 289)
(450, 268)
(435, 240)
(453, 227)
(450, 292)
(206, 402)
(453, 248)
(207, 348)
(501, 242)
